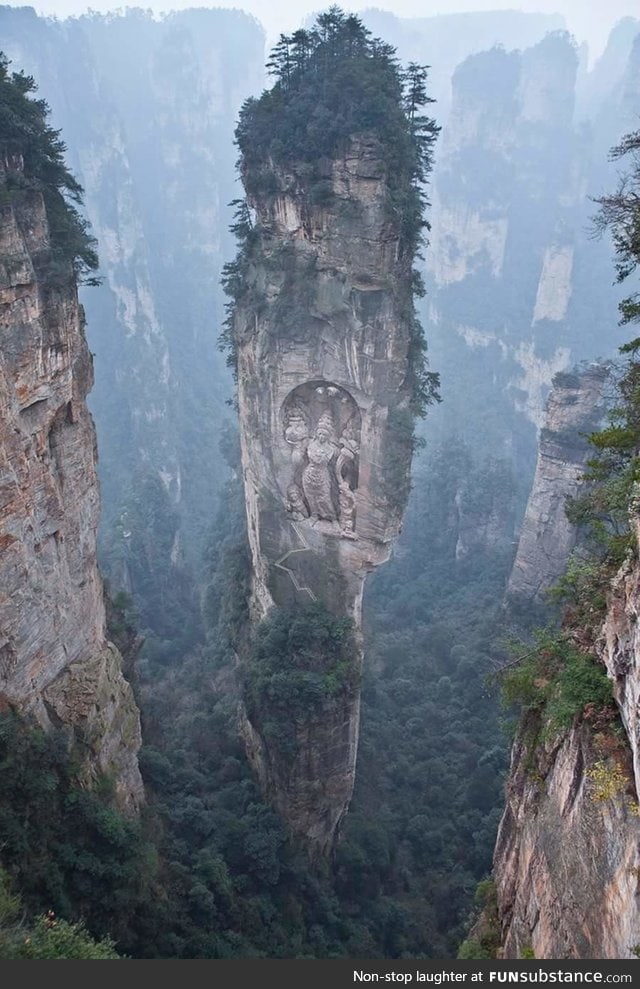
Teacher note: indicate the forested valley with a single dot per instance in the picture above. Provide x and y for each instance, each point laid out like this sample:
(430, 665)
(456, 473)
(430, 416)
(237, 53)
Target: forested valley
(497, 177)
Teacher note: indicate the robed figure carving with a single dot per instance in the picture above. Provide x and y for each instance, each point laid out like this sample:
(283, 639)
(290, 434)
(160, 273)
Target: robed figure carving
(317, 475)
(322, 430)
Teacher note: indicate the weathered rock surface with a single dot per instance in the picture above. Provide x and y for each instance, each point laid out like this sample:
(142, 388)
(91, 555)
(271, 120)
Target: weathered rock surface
(55, 662)
(567, 854)
(517, 289)
(619, 647)
(322, 369)
(566, 862)
(511, 119)
(574, 409)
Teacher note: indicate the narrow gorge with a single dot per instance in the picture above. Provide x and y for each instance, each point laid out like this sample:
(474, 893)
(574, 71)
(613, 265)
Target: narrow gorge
(281, 731)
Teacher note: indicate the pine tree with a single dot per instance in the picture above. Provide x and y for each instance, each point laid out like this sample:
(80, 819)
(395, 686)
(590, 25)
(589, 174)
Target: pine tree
(620, 213)
(25, 131)
(280, 62)
(302, 46)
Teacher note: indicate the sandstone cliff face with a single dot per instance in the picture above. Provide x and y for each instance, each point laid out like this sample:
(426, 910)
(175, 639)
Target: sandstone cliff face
(566, 860)
(322, 365)
(55, 662)
(507, 164)
(566, 863)
(518, 291)
(574, 409)
(619, 648)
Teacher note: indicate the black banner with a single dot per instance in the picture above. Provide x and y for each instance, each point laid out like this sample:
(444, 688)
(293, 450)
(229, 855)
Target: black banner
(313, 974)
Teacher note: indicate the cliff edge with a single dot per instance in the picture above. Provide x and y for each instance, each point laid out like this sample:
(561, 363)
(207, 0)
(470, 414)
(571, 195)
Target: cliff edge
(56, 664)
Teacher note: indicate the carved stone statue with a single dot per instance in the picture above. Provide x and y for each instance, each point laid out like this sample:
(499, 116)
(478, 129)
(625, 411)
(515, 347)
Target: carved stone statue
(345, 464)
(322, 429)
(297, 432)
(316, 477)
(296, 505)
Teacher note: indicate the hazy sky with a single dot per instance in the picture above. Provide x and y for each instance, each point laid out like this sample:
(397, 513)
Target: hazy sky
(589, 20)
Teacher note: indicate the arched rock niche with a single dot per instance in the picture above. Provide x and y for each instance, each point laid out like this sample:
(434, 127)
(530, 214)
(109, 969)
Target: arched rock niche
(321, 427)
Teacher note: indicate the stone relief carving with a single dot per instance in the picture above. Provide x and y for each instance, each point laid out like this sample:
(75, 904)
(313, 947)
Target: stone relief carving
(321, 425)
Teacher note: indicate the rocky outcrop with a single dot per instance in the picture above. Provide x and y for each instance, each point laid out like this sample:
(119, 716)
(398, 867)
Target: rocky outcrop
(567, 857)
(511, 120)
(574, 409)
(518, 290)
(619, 647)
(323, 361)
(55, 662)
(566, 862)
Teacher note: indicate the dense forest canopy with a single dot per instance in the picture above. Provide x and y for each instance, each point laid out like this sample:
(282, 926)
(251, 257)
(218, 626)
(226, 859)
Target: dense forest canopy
(25, 131)
(332, 83)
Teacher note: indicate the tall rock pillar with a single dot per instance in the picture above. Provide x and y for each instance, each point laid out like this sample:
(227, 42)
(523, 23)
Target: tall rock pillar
(330, 369)
(322, 371)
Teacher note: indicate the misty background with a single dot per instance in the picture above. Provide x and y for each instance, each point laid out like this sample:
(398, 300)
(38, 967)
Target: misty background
(589, 21)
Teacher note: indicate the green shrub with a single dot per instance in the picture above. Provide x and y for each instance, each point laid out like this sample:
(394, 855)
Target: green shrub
(556, 680)
(45, 937)
(471, 948)
(302, 659)
(64, 846)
